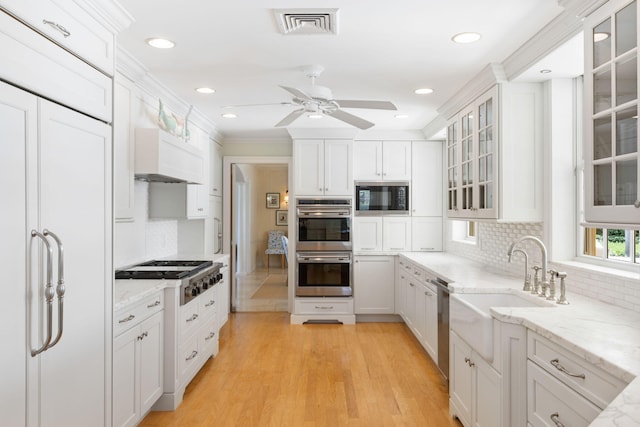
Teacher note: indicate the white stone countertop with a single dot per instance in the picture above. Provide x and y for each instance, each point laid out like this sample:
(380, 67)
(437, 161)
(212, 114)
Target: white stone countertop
(128, 291)
(605, 335)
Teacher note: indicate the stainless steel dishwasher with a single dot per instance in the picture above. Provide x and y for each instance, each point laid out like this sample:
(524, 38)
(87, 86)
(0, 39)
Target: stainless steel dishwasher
(443, 325)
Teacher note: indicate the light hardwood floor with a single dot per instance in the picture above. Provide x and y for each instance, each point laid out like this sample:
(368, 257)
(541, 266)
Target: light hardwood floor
(271, 373)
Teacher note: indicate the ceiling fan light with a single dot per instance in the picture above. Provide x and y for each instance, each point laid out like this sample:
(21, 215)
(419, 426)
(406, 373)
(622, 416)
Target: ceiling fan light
(315, 116)
(160, 43)
(467, 37)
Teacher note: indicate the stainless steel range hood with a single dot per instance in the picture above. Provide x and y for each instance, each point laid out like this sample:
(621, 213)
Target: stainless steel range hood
(162, 157)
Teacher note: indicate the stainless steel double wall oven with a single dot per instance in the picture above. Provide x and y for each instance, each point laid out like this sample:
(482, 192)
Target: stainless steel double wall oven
(323, 248)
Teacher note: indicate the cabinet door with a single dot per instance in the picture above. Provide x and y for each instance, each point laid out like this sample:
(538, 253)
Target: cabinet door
(396, 157)
(151, 361)
(453, 168)
(216, 168)
(426, 178)
(460, 380)
(367, 156)
(612, 147)
(401, 284)
(75, 203)
(19, 124)
(197, 201)
(367, 233)
(123, 151)
(309, 167)
(420, 312)
(338, 166)
(485, 196)
(426, 233)
(396, 234)
(430, 332)
(374, 285)
(125, 379)
(410, 301)
(487, 402)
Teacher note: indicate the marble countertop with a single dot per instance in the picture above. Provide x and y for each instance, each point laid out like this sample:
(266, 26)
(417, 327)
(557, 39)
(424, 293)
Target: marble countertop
(127, 291)
(605, 335)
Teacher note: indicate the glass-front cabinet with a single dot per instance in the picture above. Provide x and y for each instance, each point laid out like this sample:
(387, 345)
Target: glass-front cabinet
(611, 114)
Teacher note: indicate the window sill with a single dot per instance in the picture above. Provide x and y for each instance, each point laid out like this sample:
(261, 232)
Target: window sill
(631, 272)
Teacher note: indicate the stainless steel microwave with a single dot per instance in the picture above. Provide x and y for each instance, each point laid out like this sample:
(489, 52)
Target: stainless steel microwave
(382, 198)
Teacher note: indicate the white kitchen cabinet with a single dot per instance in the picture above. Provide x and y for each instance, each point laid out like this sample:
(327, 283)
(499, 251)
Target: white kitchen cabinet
(426, 234)
(474, 387)
(59, 164)
(123, 149)
(323, 167)
(396, 233)
(69, 25)
(215, 238)
(224, 294)
(382, 160)
(426, 318)
(138, 362)
(426, 178)
(184, 201)
(374, 284)
(215, 168)
(367, 234)
(494, 152)
(611, 144)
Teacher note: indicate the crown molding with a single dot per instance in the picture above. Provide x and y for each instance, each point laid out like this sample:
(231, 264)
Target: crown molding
(110, 12)
(304, 133)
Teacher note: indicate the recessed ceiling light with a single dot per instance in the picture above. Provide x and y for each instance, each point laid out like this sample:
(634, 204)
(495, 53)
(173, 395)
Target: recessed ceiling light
(545, 71)
(229, 115)
(598, 37)
(160, 43)
(401, 116)
(466, 37)
(423, 91)
(206, 90)
(315, 116)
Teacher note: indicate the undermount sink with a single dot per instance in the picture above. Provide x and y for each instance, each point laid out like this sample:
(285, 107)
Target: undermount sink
(471, 319)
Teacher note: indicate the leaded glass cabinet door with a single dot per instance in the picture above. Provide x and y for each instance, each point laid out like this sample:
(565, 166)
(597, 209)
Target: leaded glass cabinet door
(485, 204)
(611, 114)
(453, 167)
(467, 163)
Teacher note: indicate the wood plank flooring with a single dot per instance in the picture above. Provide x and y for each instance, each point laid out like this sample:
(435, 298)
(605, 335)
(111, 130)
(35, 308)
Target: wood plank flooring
(271, 373)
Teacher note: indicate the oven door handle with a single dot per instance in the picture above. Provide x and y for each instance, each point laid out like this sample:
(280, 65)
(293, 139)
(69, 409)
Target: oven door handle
(318, 259)
(340, 213)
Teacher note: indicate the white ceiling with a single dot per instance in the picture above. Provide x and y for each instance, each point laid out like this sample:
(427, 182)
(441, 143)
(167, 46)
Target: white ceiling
(383, 51)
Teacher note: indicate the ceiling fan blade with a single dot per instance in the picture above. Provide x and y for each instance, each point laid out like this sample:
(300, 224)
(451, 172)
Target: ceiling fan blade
(290, 118)
(297, 93)
(351, 119)
(376, 105)
(258, 105)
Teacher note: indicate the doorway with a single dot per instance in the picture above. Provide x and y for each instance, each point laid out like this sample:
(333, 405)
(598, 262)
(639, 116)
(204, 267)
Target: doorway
(258, 282)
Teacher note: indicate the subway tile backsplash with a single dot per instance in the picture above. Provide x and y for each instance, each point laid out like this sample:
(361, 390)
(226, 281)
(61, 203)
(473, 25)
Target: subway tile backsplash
(493, 242)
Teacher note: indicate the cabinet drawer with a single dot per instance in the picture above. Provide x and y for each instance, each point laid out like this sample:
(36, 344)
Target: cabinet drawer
(592, 382)
(128, 317)
(549, 399)
(188, 359)
(70, 26)
(209, 339)
(189, 319)
(207, 302)
(324, 306)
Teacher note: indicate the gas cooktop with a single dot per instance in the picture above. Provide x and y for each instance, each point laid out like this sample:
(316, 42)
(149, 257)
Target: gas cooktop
(163, 269)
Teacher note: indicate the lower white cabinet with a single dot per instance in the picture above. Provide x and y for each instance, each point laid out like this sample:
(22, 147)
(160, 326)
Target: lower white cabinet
(137, 362)
(426, 318)
(374, 284)
(475, 396)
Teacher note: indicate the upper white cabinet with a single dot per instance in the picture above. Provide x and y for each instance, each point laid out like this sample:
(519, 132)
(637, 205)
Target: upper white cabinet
(69, 25)
(367, 233)
(215, 169)
(494, 152)
(382, 160)
(396, 233)
(426, 233)
(612, 148)
(323, 167)
(426, 178)
(123, 150)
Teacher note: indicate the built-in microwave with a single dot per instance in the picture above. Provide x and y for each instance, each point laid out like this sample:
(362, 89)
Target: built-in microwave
(382, 198)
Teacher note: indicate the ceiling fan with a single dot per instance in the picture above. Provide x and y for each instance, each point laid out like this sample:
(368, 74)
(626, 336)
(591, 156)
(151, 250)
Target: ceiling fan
(319, 100)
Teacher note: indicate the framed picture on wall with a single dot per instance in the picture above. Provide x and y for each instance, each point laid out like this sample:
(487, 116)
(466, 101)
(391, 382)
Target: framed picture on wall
(273, 200)
(282, 217)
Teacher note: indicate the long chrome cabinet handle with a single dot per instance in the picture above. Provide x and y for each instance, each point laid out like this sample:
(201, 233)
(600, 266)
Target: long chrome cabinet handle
(58, 27)
(555, 417)
(48, 293)
(559, 367)
(60, 289)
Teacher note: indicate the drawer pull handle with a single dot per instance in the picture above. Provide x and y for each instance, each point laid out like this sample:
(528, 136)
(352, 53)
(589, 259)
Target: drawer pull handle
(211, 335)
(319, 307)
(58, 27)
(192, 318)
(193, 354)
(469, 362)
(127, 319)
(559, 367)
(144, 334)
(556, 419)
(210, 303)
(155, 304)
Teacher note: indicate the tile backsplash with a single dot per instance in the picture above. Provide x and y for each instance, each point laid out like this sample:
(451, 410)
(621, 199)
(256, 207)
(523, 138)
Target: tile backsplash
(493, 241)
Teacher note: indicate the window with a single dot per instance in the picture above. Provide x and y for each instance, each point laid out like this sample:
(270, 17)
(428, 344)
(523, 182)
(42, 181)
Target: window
(620, 245)
(464, 231)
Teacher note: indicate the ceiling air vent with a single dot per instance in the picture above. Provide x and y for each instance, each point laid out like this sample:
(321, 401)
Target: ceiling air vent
(307, 21)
